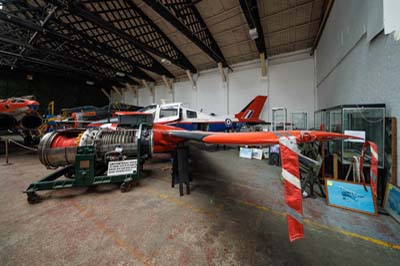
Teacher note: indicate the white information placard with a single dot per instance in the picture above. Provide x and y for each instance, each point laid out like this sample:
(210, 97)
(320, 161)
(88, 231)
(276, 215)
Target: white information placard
(355, 133)
(122, 167)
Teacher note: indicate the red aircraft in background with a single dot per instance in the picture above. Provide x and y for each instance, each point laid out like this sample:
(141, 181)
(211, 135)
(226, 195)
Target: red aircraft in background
(20, 114)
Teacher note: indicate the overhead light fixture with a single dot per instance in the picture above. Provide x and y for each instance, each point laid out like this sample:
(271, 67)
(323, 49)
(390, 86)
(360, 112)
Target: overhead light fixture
(1, 6)
(120, 74)
(89, 82)
(253, 33)
(165, 61)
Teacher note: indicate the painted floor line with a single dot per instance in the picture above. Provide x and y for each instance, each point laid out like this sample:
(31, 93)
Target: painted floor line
(278, 213)
(326, 227)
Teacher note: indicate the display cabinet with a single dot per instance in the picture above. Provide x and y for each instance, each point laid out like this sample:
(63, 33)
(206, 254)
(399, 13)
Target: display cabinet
(364, 119)
(300, 120)
(279, 118)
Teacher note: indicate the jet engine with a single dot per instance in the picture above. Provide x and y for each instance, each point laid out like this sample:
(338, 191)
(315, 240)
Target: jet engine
(95, 156)
(31, 121)
(59, 148)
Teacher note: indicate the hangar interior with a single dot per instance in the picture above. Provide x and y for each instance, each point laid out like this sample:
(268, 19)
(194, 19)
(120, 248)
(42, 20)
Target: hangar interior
(241, 132)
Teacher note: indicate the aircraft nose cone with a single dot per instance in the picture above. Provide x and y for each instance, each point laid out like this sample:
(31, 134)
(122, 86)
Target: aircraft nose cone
(34, 105)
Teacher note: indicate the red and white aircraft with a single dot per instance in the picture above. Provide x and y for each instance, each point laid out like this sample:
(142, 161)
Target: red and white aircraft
(166, 138)
(176, 115)
(19, 112)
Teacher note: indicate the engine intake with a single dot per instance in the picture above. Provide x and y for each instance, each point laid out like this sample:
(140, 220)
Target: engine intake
(31, 121)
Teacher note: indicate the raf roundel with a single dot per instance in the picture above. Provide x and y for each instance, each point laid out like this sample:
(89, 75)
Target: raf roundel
(228, 122)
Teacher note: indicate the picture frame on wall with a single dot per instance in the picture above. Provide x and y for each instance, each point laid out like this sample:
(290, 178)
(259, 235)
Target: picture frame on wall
(392, 201)
(350, 196)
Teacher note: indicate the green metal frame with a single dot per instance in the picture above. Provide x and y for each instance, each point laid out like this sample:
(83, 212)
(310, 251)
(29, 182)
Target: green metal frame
(85, 176)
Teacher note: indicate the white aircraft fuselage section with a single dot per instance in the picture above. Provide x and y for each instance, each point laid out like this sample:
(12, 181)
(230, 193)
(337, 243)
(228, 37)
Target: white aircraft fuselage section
(174, 114)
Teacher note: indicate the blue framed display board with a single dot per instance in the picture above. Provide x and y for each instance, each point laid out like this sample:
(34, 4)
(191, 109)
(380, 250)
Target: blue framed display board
(350, 196)
(392, 201)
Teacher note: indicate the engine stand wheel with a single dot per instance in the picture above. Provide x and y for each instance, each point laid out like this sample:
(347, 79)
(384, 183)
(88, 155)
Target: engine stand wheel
(69, 174)
(125, 187)
(33, 198)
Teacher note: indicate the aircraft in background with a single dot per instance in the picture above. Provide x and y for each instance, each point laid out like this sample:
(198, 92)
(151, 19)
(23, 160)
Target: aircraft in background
(20, 115)
(174, 114)
(82, 116)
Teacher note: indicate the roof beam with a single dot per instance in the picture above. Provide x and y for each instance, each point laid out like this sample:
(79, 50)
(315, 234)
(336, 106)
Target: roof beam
(110, 51)
(29, 25)
(50, 64)
(324, 19)
(50, 12)
(56, 54)
(80, 10)
(101, 49)
(213, 52)
(51, 71)
(184, 61)
(57, 65)
(105, 49)
(250, 10)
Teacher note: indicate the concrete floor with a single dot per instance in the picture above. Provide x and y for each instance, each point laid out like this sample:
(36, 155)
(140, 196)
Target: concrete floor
(234, 216)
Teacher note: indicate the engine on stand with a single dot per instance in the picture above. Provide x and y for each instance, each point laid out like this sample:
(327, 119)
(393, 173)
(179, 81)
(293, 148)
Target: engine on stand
(91, 157)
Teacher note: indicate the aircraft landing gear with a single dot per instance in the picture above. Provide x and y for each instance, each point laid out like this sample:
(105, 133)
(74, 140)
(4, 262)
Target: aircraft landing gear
(180, 168)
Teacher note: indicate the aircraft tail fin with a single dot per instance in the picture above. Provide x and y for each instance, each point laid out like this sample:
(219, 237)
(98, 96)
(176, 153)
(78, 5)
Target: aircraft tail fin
(251, 113)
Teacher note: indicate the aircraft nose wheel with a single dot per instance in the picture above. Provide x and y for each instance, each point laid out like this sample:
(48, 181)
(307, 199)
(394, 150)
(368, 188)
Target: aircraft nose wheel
(33, 198)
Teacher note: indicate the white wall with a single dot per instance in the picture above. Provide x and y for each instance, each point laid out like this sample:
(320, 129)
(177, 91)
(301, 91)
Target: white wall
(184, 93)
(290, 84)
(243, 86)
(145, 97)
(211, 94)
(163, 94)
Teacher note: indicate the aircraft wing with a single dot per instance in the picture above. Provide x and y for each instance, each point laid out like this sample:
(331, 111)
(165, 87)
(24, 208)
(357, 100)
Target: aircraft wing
(289, 152)
(256, 138)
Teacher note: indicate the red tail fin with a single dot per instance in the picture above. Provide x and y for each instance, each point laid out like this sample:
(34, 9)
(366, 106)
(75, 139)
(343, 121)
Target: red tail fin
(252, 111)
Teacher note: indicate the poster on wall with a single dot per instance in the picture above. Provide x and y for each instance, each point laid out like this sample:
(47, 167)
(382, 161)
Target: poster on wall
(350, 196)
(392, 201)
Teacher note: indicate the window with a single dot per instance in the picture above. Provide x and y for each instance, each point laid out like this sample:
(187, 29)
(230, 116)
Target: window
(191, 114)
(168, 112)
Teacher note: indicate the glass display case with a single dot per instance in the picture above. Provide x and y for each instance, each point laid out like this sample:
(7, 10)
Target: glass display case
(364, 119)
(300, 121)
(279, 118)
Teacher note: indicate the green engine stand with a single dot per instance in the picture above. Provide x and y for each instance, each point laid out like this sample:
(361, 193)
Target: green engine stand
(83, 175)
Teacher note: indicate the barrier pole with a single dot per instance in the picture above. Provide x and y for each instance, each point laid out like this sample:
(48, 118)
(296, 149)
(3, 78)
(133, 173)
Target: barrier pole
(6, 142)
